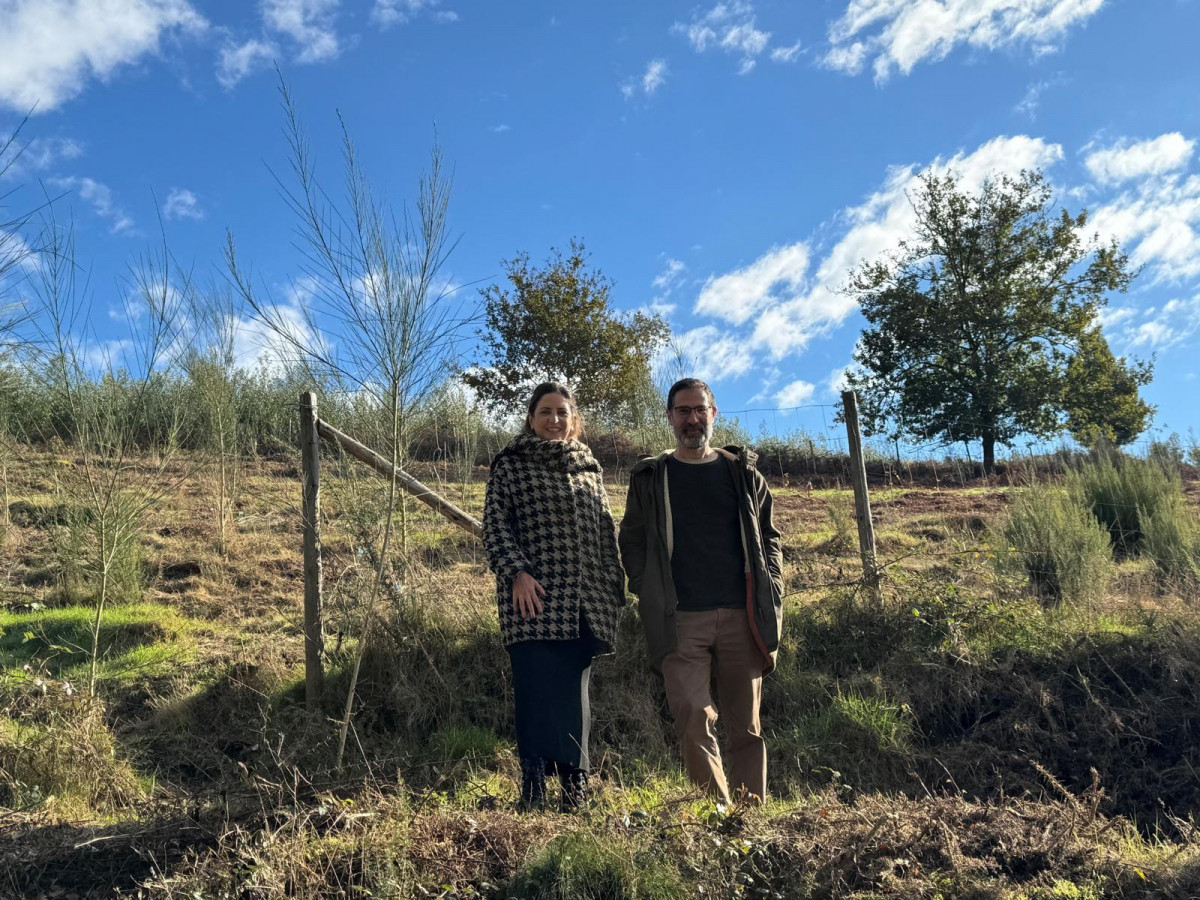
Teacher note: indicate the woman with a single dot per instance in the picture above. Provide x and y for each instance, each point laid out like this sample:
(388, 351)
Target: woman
(551, 541)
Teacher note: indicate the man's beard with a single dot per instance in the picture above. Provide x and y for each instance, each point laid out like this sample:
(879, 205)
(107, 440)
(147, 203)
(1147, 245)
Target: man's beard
(694, 437)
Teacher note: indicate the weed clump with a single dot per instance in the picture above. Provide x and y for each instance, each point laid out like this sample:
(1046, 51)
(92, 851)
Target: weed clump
(581, 865)
(86, 553)
(1058, 545)
(55, 748)
(1122, 492)
(1172, 540)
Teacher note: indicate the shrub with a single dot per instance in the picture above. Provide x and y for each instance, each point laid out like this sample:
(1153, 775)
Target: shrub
(83, 552)
(58, 746)
(1058, 545)
(1172, 540)
(587, 866)
(1122, 492)
(845, 529)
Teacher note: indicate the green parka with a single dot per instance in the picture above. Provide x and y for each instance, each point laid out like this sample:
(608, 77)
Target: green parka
(646, 541)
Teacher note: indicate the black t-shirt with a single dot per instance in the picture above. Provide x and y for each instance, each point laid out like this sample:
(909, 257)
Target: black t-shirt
(707, 561)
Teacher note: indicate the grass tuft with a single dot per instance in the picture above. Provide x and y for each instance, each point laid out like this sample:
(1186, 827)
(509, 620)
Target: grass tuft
(1058, 545)
(582, 865)
(1123, 492)
(1172, 540)
(57, 751)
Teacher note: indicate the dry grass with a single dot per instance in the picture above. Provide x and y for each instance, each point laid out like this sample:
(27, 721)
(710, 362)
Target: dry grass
(900, 734)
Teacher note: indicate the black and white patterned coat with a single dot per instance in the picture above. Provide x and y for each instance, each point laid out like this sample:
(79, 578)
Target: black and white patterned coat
(546, 513)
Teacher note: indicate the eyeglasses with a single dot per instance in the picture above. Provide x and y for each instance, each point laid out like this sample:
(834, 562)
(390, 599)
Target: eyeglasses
(685, 412)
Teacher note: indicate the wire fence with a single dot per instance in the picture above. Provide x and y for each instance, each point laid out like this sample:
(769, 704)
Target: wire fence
(923, 524)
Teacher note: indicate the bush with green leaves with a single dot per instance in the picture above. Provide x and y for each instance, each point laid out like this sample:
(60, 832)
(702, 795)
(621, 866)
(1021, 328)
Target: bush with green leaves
(1057, 544)
(95, 553)
(1172, 540)
(1122, 492)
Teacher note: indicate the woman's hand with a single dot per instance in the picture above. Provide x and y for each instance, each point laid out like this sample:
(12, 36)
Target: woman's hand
(527, 596)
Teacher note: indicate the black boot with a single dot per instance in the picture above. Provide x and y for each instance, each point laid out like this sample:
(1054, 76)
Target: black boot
(574, 788)
(533, 784)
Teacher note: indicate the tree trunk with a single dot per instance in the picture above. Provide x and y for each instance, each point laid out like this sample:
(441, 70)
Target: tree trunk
(989, 453)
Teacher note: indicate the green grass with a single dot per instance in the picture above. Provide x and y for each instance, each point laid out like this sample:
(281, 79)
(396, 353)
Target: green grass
(137, 641)
(466, 743)
(1124, 493)
(1052, 538)
(581, 865)
(859, 736)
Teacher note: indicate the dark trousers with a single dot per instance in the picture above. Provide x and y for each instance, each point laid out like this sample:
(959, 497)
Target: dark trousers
(550, 687)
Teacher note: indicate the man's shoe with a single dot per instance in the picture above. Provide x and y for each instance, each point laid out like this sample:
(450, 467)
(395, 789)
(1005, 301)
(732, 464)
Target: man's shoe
(533, 784)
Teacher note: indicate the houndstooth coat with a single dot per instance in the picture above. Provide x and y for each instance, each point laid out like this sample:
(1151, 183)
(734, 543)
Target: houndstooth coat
(546, 513)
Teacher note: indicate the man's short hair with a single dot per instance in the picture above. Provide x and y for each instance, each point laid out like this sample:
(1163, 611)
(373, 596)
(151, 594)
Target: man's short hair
(689, 384)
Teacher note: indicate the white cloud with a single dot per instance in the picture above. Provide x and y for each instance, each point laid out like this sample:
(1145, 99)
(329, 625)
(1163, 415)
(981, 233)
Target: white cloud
(182, 204)
(835, 382)
(51, 49)
(306, 28)
(1031, 101)
(786, 54)
(257, 344)
(714, 353)
(658, 307)
(668, 279)
(1158, 328)
(236, 61)
(387, 13)
(774, 278)
(16, 256)
(1156, 214)
(500, 129)
(776, 305)
(108, 356)
(1125, 161)
(730, 26)
(20, 158)
(901, 33)
(101, 198)
(307, 22)
(1112, 316)
(795, 394)
(665, 283)
(656, 74)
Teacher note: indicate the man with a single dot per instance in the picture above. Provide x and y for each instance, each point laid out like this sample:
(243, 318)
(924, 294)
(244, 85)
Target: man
(705, 562)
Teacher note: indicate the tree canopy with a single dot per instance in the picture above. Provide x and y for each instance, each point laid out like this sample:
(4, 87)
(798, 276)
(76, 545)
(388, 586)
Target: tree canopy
(557, 322)
(1101, 394)
(973, 322)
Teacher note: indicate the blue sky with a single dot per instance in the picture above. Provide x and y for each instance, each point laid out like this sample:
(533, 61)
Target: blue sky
(726, 163)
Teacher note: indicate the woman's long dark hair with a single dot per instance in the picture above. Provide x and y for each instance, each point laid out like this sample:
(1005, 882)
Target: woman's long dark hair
(554, 387)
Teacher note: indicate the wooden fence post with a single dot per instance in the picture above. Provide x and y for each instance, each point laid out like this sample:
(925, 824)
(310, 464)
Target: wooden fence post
(314, 640)
(862, 501)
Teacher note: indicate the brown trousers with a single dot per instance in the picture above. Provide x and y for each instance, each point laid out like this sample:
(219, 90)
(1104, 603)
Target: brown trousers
(717, 645)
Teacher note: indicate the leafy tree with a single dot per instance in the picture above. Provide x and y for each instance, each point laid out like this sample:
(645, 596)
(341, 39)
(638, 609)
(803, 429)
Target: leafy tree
(973, 321)
(1101, 397)
(556, 322)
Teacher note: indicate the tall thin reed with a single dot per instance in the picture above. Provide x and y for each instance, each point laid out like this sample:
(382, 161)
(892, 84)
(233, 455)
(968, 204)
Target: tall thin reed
(378, 295)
